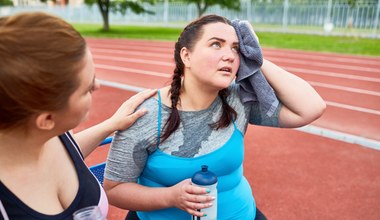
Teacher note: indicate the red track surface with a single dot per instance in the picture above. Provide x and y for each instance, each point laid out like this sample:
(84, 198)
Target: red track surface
(293, 175)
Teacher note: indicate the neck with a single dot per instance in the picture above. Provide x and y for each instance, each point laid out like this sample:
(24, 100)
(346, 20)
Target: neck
(196, 98)
(21, 146)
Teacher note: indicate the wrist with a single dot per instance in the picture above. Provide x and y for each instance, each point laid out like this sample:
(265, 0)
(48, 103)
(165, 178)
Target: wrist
(109, 126)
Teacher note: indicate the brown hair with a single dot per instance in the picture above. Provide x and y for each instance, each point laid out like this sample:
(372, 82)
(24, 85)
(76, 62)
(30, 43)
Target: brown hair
(188, 38)
(41, 56)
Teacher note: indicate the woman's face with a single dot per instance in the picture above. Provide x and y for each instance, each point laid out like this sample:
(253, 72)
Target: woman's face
(214, 59)
(80, 101)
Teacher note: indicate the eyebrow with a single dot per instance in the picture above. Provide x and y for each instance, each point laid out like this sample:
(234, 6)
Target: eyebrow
(222, 40)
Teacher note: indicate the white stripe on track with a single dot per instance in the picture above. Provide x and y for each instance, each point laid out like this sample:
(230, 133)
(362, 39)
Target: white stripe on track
(340, 136)
(133, 60)
(353, 108)
(349, 138)
(344, 88)
(324, 58)
(339, 75)
(129, 52)
(131, 70)
(323, 64)
(120, 86)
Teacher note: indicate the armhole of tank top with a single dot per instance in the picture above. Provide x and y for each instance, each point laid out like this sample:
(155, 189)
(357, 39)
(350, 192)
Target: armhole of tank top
(3, 212)
(233, 122)
(72, 141)
(158, 119)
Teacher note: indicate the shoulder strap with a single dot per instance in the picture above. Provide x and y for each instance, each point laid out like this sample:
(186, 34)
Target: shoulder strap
(3, 212)
(68, 140)
(158, 119)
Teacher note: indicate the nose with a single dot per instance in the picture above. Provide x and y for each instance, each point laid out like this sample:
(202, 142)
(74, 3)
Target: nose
(229, 55)
(96, 85)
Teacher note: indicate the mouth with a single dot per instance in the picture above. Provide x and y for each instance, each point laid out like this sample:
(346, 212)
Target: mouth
(226, 69)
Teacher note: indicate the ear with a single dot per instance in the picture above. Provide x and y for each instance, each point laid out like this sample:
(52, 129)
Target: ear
(185, 56)
(45, 121)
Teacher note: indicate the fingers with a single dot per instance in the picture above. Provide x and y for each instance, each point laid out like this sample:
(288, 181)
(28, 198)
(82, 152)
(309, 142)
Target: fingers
(195, 208)
(197, 198)
(196, 212)
(133, 117)
(197, 190)
(140, 97)
(126, 115)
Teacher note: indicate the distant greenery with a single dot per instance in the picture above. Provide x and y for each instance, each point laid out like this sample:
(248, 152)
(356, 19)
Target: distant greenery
(347, 45)
(6, 2)
(135, 32)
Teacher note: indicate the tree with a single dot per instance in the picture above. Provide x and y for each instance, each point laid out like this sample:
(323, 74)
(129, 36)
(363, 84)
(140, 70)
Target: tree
(119, 6)
(6, 2)
(202, 5)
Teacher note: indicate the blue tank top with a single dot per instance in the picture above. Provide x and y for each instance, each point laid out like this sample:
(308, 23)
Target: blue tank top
(235, 200)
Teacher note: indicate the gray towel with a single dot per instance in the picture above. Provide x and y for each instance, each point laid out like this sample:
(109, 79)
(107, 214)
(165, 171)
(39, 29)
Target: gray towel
(253, 85)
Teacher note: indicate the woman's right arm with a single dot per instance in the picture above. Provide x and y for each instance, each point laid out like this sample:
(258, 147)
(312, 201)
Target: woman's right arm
(133, 196)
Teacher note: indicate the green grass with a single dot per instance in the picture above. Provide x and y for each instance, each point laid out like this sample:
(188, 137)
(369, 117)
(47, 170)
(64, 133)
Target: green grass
(133, 32)
(345, 45)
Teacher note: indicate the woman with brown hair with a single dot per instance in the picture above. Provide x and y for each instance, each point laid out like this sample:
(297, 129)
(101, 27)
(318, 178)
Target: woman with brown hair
(47, 77)
(200, 120)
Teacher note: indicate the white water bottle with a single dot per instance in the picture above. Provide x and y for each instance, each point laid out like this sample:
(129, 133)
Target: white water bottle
(207, 179)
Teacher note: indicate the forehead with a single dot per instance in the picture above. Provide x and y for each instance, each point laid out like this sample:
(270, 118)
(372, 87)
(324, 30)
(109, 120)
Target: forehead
(219, 30)
(87, 72)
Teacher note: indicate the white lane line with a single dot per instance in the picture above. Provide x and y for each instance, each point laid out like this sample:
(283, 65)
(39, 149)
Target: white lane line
(131, 70)
(353, 108)
(344, 88)
(349, 138)
(120, 86)
(133, 60)
(341, 136)
(323, 58)
(339, 75)
(323, 64)
(134, 48)
(130, 52)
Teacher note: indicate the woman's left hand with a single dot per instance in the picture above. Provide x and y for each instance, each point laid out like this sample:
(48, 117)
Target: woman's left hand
(126, 115)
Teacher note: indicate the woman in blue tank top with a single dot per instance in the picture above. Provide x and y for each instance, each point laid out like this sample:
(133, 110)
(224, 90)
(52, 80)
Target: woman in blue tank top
(200, 120)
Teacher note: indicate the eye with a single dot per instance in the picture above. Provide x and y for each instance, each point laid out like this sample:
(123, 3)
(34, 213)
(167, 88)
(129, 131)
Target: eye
(216, 44)
(92, 89)
(236, 49)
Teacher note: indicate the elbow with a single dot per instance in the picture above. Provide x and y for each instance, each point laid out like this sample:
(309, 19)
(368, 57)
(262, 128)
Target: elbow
(291, 119)
(315, 112)
(321, 109)
(109, 189)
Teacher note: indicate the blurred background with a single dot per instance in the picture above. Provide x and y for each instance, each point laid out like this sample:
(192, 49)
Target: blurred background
(327, 170)
(323, 17)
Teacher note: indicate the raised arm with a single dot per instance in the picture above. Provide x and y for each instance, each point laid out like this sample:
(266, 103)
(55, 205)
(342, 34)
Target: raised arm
(301, 103)
(123, 118)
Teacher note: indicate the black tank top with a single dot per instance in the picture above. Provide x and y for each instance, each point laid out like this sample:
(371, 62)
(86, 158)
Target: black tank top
(88, 193)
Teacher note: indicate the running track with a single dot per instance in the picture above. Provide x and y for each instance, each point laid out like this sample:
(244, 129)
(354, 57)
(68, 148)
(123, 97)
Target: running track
(294, 173)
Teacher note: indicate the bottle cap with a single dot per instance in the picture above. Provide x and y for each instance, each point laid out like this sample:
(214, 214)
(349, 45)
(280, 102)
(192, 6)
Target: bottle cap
(204, 177)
